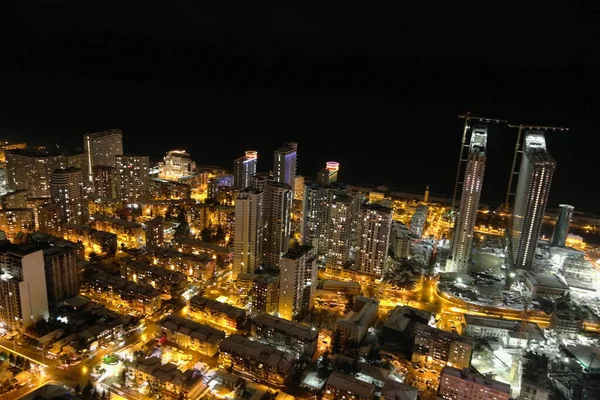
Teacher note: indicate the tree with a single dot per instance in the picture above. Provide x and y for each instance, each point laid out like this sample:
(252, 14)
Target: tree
(206, 234)
(87, 390)
(3, 356)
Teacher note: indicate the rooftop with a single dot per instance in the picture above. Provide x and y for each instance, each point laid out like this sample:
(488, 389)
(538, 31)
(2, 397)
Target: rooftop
(350, 384)
(394, 390)
(224, 308)
(401, 316)
(546, 280)
(192, 329)
(123, 286)
(168, 372)
(268, 355)
(295, 329)
(468, 375)
(116, 221)
(297, 252)
(533, 330)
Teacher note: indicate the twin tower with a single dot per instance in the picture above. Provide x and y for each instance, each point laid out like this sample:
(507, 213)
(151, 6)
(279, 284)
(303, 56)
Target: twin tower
(535, 175)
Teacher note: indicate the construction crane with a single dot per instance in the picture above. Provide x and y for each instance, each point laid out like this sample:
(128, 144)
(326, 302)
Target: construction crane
(518, 150)
(468, 117)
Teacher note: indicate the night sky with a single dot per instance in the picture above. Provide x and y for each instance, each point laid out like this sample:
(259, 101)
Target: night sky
(377, 89)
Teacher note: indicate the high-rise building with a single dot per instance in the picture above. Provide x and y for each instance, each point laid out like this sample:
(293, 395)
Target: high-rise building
(248, 234)
(105, 181)
(315, 214)
(418, 220)
(68, 191)
(244, 168)
(265, 294)
(30, 169)
(299, 188)
(155, 233)
(176, 164)
(23, 295)
(338, 231)
(277, 206)
(329, 174)
(78, 159)
(284, 164)
(374, 224)
(561, 229)
(457, 384)
(102, 148)
(297, 282)
(62, 278)
(462, 239)
(535, 176)
(49, 218)
(133, 179)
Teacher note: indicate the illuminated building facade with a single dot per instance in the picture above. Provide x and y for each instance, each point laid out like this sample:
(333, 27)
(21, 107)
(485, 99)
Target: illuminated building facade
(284, 164)
(105, 181)
(15, 220)
(68, 191)
(176, 164)
(438, 348)
(418, 220)
(265, 294)
(248, 237)
(23, 295)
(400, 241)
(166, 281)
(133, 180)
(244, 168)
(374, 225)
(62, 277)
(129, 233)
(15, 199)
(155, 232)
(4, 146)
(329, 174)
(102, 148)
(166, 379)
(345, 387)
(297, 282)
(533, 187)
(197, 266)
(561, 229)
(192, 335)
(299, 188)
(464, 384)
(294, 336)
(217, 313)
(49, 219)
(316, 209)
(114, 289)
(277, 206)
(100, 242)
(462, 238)
(337, 232)
(162, 189)
(31, 169)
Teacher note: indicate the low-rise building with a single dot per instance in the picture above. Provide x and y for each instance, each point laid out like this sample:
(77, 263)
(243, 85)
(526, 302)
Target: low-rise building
(437, 348)
(508, 332)
(398, 326)
(456, 384)
(218, 313)
(166, 281)
(111, 207)
(100, 242)
(343, 287)
(192, 335)
(341, 387)
(264, 362)
(296, 337)
(15, 220)
(221, 254)
(199, 267)
(544, 286)
(566, 322)
(394, 390)
(143, 298)
(161, 189)
(130, 234)
(164, 379)
(354, 326)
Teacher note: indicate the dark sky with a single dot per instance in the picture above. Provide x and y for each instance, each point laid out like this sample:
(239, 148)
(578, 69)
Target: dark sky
(376, 88)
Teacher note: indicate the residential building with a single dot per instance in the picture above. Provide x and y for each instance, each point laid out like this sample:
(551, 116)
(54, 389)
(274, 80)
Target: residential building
(77, 159)
(102, 148)
(192, 335)
(297, 282)
(49, 220)
(508, 332)
(284, 164)
(462, 237)
(400, 241)
(248, 237)
(277, 206)
(265, 294)
(533, 187)
(561, 228)
(114, 289)
(166, 281)
(565, 322)
(294, 336)
(217, 183)
(162, 189)
(9, 146)
(105, 206)
(133, 179)
(15, 199)
(67, 189)
(104, 178)
(299, 188)
(464, 384)
(176, 164)
(400, 322)
(244, 168)
(130, 234)
(30, 169)
(23, 293)
(100, 242)
(437, 348)
(16, 220)
(344, 287)
(374, 225)
(218, 313)
(262, 361)
(345, 387)
(394, 390)
(155, 232)
(541, 285)
(197, 266)
(166, 379)
(419, 220)
(316, 212)
(353, 328)
(329, 174)
(61, 272)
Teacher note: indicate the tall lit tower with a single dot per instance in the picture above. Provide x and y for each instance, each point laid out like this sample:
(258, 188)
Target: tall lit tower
(103, 148)
(244, 168)
(133, 179)
(561, 229)
(462, 239)
(284, 164)
(338, 231)
(277, 221)
(374, 225)
(533, 187)
(68, 191)
(248, 239)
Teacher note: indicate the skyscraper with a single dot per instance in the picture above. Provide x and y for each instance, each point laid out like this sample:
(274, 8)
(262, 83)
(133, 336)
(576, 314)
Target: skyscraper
(374, 224)
(31, 169)
(561, 229)
(297, 282)
(248, 234)
(68, 191)
(23, 293)
(133, 179)
(338, 231)
(284, 164)
(315, 214)
(276, 216)
(244, 168)
(103, 148)
(535, 176)
(62, 278)
(462, 238)
(329, 174)
(105, 181)
(418, 220)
